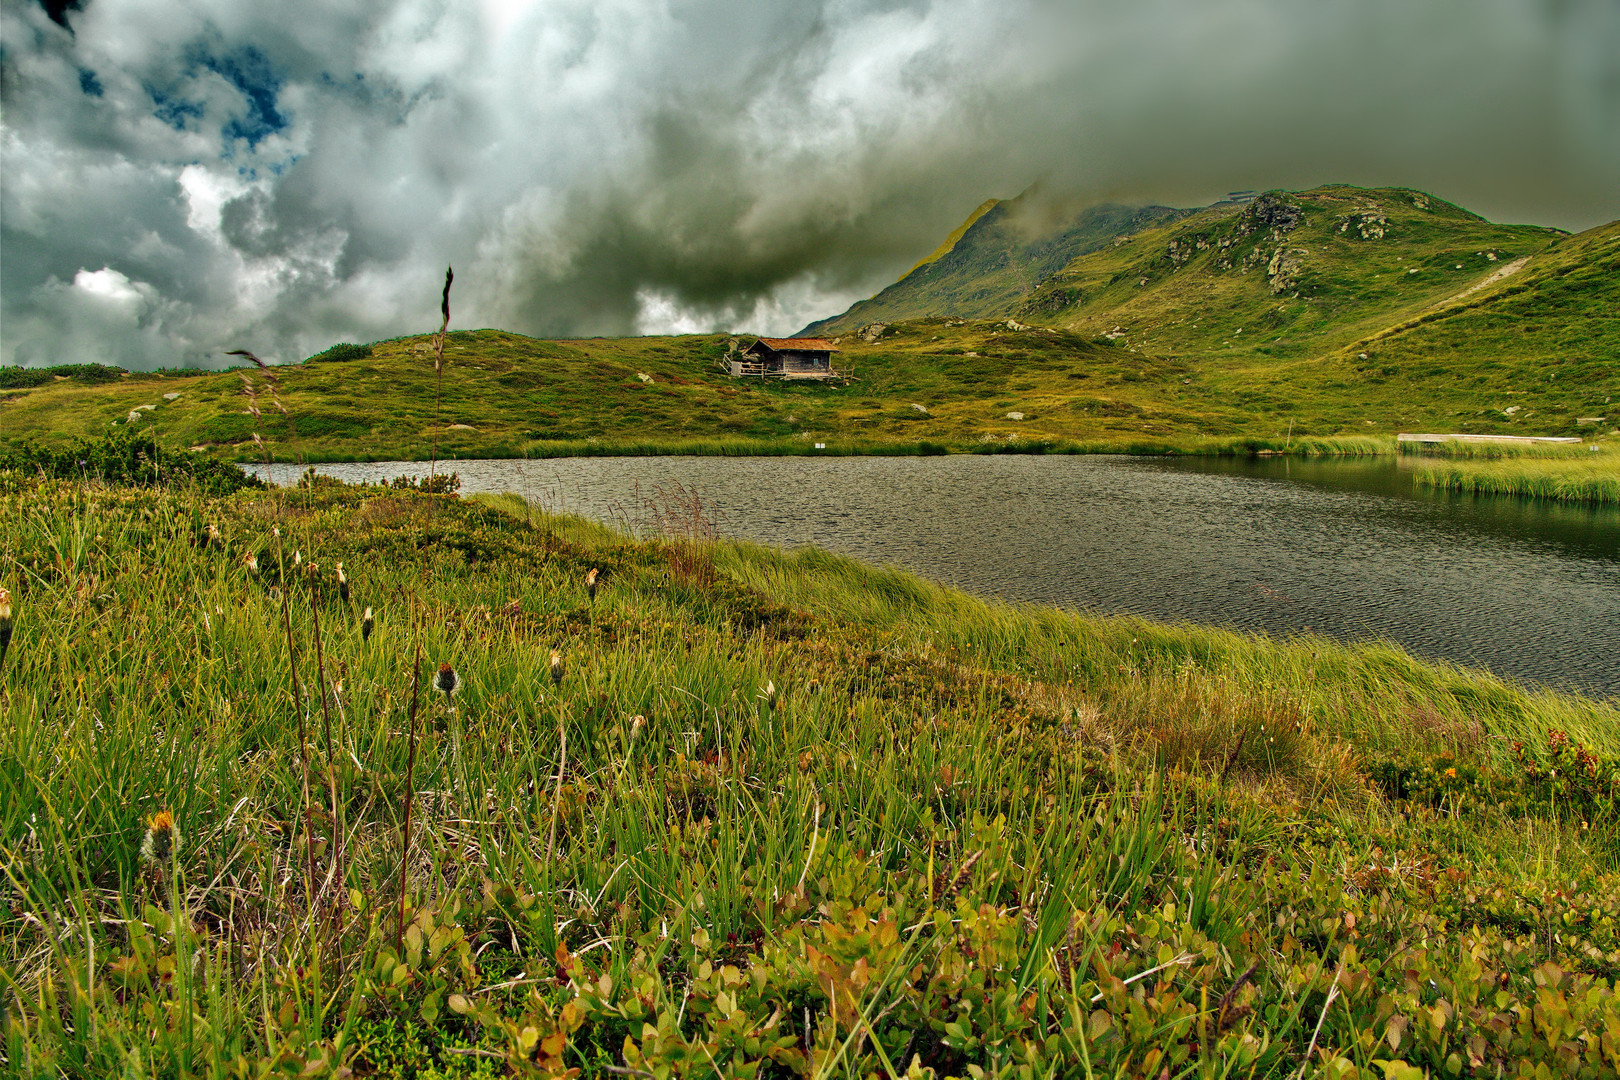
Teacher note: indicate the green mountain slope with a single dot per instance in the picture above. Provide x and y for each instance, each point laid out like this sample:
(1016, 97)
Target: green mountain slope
(1297, 272)
(997, 257)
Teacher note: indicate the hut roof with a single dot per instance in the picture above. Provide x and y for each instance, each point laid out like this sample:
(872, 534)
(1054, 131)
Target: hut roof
(797, 344)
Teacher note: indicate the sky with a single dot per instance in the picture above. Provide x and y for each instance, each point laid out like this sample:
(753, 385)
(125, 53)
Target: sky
(183, 177)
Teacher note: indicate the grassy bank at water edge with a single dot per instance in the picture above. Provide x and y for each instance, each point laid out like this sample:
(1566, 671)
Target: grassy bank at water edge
(1584, 474)
(745, 812)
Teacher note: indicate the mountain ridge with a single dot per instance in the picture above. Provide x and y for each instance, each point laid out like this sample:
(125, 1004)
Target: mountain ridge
(998, 255)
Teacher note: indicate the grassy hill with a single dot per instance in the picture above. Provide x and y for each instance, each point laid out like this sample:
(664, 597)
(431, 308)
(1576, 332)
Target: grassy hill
(995, 258)
(747, 812)
(1336, 314)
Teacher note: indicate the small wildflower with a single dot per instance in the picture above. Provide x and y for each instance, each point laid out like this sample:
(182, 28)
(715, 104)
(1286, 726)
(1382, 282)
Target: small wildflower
(343, 583)
(5, 624)
(590, 584)
(447, 682)
(365, 626)
(556, 667)
(162, 840)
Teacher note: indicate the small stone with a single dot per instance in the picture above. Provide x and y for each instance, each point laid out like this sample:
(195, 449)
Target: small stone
(1015, 416)
(171, 395)
(644, 377)
(919, 408)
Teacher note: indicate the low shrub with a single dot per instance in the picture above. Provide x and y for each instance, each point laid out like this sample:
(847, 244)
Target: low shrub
(341, 352)
(20, 378)
(128, 457)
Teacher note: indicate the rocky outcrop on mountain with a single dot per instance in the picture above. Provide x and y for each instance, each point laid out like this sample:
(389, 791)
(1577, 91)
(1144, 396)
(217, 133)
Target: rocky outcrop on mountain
(1270, 213)
(1284, 268)
(1367, 222)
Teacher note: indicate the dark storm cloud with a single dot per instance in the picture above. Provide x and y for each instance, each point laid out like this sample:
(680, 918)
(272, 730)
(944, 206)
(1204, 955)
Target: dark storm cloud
(182, 178)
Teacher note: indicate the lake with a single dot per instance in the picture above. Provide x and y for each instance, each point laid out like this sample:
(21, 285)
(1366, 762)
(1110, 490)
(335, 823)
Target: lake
(1529, 590)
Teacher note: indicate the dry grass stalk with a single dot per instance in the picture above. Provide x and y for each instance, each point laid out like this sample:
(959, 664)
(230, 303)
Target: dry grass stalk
(438, 369)
(326, 721)
(303, 751)
(556, 792)
(410, 783)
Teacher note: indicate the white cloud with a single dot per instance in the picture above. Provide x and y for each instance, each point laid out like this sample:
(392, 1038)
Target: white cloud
(280, 176)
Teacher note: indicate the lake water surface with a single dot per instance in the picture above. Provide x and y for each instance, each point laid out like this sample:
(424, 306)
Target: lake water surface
(1530, 590)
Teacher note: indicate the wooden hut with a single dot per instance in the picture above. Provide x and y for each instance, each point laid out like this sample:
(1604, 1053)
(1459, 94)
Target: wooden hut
(786, 358)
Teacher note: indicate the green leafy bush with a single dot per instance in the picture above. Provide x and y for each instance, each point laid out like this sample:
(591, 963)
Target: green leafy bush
(341, 352)
(128, 457)
(19, 378)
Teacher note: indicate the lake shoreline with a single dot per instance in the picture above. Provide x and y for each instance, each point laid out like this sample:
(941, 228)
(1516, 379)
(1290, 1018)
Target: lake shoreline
(1351, 548)
(1334, 446)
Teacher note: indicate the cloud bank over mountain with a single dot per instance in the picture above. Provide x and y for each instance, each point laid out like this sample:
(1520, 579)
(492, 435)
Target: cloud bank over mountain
(184, 178)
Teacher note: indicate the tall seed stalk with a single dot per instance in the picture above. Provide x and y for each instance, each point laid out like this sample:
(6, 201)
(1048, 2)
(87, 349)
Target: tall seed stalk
(252, 393)
(438, 372)
(410, 784)
(416, 663)
(331, 754)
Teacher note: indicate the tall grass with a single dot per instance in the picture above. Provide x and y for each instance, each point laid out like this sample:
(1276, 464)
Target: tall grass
(696, 807)
(1586, 476)
(1498, 451)
(812, 817)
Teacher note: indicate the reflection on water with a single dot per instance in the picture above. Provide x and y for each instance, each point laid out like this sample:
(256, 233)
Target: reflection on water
(1530, 590)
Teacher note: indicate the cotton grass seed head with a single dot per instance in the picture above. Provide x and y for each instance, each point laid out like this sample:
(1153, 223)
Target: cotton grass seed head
(5, 623)
(162, 840)
(446, 682)
(365, 626)
(556, 667)
(251, 561)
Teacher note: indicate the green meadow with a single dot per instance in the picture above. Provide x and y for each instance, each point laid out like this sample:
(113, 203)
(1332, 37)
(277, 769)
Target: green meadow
(748, 812)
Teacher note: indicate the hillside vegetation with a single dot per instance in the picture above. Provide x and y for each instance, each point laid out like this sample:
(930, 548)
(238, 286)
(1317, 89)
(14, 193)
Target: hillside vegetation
(994, 259)
(746, 812)
(1324, 320)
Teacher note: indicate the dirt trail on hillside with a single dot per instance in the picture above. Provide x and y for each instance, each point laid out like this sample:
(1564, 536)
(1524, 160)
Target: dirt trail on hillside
(1491, 279)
